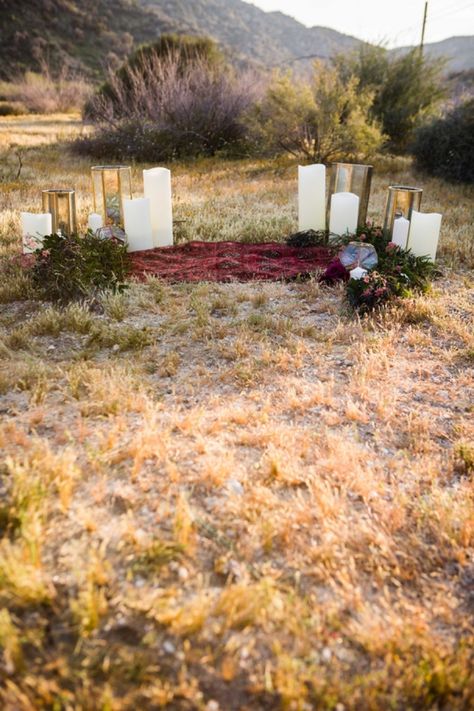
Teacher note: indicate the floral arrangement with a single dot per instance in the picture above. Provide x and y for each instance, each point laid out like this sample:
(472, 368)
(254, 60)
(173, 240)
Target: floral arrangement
(399, 273)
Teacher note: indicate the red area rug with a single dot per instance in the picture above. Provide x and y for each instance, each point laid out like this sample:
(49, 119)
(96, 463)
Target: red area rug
(234, 261)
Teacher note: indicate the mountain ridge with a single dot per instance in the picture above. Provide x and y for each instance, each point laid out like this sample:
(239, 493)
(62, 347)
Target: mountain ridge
(89, 34)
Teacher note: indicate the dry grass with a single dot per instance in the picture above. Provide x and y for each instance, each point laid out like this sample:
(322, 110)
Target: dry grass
(231, 496)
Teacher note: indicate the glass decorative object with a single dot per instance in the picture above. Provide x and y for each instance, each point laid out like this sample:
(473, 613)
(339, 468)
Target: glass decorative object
(111, 185)
(401, 201)
(352, 178)
(62, 206)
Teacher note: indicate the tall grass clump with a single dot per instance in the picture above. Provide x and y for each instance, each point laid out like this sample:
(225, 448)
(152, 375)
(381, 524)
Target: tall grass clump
(45, 92)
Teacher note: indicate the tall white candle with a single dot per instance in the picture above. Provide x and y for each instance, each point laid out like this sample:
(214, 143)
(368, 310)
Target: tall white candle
(95, 221)
(344, 213)
(157, 187)
(312, 197)
(401, 227)
(34, 227)
(137, 223)
(424, 234)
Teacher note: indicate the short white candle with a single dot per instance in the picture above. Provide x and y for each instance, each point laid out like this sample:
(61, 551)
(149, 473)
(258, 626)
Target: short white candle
(344, 213)
(157, 187)
(34, 227)
(95, 221)
(137, 224)
(312, 197)
(357, 273)
(424, 234)
(401, 227)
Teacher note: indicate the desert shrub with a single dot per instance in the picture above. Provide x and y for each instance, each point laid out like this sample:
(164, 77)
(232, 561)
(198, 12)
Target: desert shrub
(322, 120)
(11, 109)
(162, 106)
(184, 49)
(406, 89)
(73, 267)
(43, 92)
(445, 147)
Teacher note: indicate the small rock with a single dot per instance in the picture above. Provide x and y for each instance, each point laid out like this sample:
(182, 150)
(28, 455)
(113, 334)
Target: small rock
(232, 486)
(169, 647)
(326, 654)
(183, 573)
(212, 705)
(51, 348)
(115, 348)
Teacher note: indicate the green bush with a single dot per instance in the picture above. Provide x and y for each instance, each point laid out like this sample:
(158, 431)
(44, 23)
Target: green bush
(406, 88)
(73, 267)
(321, 120)
(445, 147)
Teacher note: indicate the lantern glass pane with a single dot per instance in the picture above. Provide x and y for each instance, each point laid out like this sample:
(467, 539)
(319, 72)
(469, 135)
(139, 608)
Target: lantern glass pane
(401, 201)
(111, 185)
(352, 178)
(61, 204)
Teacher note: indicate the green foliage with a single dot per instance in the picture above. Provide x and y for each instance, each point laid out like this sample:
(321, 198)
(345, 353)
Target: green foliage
(367, 293)
(323, 120)
(406, 89)
(465, 457)
(73, 267)
(445, 147)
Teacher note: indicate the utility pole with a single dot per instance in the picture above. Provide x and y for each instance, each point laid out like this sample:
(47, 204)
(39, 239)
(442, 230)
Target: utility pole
(425, 15)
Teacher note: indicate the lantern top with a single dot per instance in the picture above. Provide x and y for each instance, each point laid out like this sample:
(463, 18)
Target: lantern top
(405, 187)
(110, 167)
(59, 190)
(354, 165)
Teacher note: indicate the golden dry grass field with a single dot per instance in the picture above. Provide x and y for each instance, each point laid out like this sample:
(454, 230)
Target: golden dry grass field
(234, 497)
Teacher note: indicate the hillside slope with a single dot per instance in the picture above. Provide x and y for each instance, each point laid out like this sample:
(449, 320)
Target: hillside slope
(459, 51)
(90, 33)
(85, 34)
(271, 38)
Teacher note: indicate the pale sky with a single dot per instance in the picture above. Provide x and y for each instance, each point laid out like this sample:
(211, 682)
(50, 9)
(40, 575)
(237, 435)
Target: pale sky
(397, 22)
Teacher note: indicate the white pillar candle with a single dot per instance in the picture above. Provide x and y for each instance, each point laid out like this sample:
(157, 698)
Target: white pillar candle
(344, 213)
(312, 197)
(95, 222)
(424, 234)
(401, 227)
(357, 273)
(137, 224)
(34, 227)
(157, 187)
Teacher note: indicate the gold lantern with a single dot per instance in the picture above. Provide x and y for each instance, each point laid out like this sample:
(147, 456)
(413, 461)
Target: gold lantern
(62, 206)
(352, 178)
(111, 185)
(401, 201)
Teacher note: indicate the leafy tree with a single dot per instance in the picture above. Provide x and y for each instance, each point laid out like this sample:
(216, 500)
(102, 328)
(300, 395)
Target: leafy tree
(406, 89)
(325, 119)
